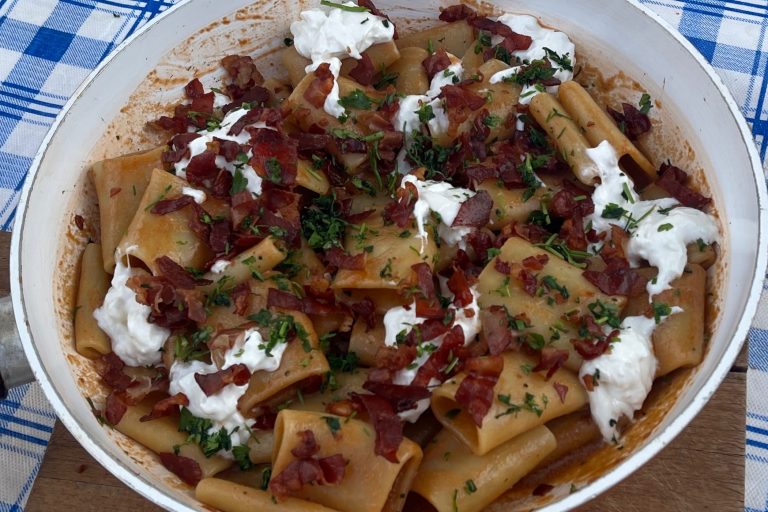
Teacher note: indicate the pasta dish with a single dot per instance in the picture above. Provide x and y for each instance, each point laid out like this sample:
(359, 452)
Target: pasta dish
(407, 272)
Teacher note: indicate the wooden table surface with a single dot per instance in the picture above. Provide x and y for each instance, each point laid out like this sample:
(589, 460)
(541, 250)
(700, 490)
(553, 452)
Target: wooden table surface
(702, 470)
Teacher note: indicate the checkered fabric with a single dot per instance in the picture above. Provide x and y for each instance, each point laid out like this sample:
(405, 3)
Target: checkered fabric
(47, 47)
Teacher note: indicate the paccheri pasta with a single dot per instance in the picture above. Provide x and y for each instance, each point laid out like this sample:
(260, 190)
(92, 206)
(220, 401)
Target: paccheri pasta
(433, 266)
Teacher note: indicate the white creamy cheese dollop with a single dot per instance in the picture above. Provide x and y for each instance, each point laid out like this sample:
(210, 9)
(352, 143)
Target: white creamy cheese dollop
(623, 375)
(134, 339)
(221, 407)
(219, 266)
(445, 200)
(403, 318)
(329, 34)
(541, 38)
(407, 117)
(664, 228)
(198, 195)
(200, 144)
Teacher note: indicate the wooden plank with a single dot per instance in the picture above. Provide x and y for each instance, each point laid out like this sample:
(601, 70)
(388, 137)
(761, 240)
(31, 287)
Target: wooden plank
(711, 448)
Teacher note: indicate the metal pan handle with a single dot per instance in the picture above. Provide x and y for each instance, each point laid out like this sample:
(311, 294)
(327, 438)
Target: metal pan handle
(14, 369)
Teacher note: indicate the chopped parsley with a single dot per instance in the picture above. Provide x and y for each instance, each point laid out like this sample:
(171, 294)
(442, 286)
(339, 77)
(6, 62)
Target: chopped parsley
(470, 486)
(197, 430)
(322, 223)
(333, 424)
(563, 62)
(241, 453)
(645, 103)
(357, 99)
(274, 170)
(660, 311)
(665, 227)
(425, 113)
(239, 182)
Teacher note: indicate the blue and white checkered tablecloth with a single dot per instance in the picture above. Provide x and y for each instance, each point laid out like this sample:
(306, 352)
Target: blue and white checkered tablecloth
(47, 47)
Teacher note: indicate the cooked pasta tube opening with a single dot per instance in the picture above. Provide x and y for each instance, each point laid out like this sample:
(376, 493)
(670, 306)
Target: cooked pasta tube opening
(522, 400)
(354, 440)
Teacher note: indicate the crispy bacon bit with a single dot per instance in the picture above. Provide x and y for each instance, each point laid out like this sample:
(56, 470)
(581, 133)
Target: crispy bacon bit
(166, 206)
(592, 348)
(242, 70)
(399, 211)
(528, 281)
(313, 141)
(166, 407)
(674, 180)
(386, 423)
(115, 407)
(212, 383)
(307, 446)
(475, 211)
(536, 263)
(561, 390)
(240, 296)
(633, 122)
(320, 86)
(542, 489)
(307, 468)
(402, 398)
(344, 408)
(395, 358)
(502, 267)
(280, 299)
(617, 278)
(436, 63)
(572, 233)
(460, 102)
(459, 286)
(178, 275)
(341, 260)
(457, 13)
(425, 280)
(185, 468)
(202, 168)
(551, 360)
(363, 71)
(589, 382)
(365, 309)
(275, 156)
(475, 393)
(429, 309)
(438, 360)
(565, 205)
(496, 329)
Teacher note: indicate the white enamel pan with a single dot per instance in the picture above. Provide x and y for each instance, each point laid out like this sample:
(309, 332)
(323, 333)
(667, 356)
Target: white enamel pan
(703, 129)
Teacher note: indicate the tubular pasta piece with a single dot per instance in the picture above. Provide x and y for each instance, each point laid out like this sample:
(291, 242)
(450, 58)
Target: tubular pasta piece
(529, 400)
(565, 134)
(542, 311)
(449, 466)
(453, 37)
(162, 435)
(260, 258)
(90, 340)
(679, 341)
(151, 236)
(597, 127)
(296, 365)
(411, 76)
(231, 497)
(120, 183)
(371, 483)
